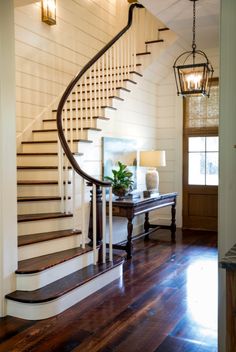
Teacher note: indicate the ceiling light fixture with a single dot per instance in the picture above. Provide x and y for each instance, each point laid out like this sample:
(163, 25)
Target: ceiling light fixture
(193, 71)
(49, 11)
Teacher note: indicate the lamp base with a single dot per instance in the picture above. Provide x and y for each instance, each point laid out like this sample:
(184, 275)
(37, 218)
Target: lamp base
(152, 180)
(150, 193)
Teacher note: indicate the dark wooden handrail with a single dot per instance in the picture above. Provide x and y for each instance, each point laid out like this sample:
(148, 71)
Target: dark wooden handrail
(67, 92)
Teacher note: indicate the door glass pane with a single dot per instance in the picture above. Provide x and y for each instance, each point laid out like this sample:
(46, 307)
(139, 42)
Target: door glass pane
(212, 144)
(196, 144)
(196, 169)
(212, 168)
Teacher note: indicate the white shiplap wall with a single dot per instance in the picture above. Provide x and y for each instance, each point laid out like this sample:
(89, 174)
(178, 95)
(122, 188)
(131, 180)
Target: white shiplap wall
(47, 57)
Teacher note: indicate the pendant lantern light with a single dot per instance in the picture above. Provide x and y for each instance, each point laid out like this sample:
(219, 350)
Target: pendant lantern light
(193, 71)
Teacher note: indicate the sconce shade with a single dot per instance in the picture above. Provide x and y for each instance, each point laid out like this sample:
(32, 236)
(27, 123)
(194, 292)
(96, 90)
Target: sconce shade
(48, 8)
(153, 158)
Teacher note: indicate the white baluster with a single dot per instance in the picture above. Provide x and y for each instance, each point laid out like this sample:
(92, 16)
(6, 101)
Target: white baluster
(110, 226)
(96, 75)
(60, 175)
(94, 224)
(86, 102)
(91, 95)
(76, 114)
(81, 124)
(104, 225)
(83, 211)
(111, 75)
(107, 78)
(99, 88)
(103, 81)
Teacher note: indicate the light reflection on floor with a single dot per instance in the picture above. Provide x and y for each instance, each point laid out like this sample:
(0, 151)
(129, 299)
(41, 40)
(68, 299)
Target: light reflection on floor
(202, 295)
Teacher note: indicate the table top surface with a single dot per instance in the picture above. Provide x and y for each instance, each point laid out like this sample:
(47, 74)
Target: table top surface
(138, 199)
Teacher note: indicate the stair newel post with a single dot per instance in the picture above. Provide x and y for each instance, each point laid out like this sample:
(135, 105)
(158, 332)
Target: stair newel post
(95, 208)
(83, 210)
(91, 80)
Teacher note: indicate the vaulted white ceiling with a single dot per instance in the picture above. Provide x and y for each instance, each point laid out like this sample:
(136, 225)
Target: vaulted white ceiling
(178, 16)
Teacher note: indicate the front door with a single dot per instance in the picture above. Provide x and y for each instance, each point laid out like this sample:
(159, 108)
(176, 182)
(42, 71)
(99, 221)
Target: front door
(200, 161)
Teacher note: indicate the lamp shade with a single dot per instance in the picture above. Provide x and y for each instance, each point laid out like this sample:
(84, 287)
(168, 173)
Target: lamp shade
(153, 158)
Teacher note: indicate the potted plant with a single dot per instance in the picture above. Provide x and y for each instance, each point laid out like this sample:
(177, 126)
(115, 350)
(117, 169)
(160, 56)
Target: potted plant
(121, 181)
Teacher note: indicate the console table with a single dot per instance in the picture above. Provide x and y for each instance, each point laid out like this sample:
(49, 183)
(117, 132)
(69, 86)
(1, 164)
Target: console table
(131, 207)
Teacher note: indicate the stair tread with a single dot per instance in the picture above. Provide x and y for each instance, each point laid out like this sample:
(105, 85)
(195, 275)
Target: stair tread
(39, 167)
(84, 118)
(41, 216)
(88, 108)
(93, 99)
(45, 236)
(102, 90)
(74, 129)
(38, 198)
(62, 286)
(55, 141)
(145, 53)
(154, 41)
(44, 154)
(37, 182)
(35, 265)
(163, 29)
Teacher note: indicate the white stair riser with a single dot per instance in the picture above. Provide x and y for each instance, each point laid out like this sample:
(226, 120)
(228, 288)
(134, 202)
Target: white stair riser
(39, 190)
(28, 175)
(49, 206)
(52, 124)
(38, 311)
(30, 282)
(40, 148)
(47, 247)
(48, 136)
(31, 227)
(37, 160)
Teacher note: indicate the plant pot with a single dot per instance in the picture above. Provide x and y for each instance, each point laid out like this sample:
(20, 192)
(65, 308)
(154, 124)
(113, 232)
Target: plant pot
(120, 192)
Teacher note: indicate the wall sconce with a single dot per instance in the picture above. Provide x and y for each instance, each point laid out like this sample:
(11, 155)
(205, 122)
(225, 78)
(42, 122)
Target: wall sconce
(48, 8)
(151, 160)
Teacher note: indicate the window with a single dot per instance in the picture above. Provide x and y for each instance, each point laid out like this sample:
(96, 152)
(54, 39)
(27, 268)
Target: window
(203, 156)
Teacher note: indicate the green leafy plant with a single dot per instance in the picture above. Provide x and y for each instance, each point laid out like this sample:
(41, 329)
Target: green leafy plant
(121, 181)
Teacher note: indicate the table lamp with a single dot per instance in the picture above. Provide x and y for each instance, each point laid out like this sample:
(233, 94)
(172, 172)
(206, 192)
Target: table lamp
(152, 159)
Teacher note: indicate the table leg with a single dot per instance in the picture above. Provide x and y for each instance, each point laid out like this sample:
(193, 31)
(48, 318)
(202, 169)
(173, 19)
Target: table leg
(129, 238)
(173, 222)
(146, 226)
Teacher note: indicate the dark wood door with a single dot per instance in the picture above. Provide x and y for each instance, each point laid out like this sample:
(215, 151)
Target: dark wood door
(200, 190)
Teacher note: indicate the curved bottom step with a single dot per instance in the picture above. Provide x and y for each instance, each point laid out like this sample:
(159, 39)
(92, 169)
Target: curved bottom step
(62, 294)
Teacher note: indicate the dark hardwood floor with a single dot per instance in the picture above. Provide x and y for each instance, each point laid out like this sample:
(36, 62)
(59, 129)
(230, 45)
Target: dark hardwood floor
(166, 302)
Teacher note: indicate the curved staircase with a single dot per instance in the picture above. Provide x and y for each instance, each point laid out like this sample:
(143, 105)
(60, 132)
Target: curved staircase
(57, 268)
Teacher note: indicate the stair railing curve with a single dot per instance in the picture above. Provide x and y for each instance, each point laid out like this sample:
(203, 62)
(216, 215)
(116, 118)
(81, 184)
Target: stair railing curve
(109, 69)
